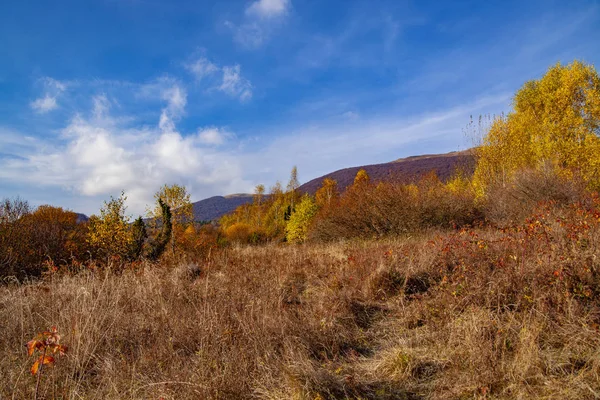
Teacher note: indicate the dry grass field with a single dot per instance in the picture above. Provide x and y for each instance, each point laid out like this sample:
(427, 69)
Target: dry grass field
(482, 313)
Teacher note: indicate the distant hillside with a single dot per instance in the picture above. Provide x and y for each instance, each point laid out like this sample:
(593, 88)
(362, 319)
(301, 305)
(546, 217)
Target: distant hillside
(404, 169)
(81, 218)
(215, 207)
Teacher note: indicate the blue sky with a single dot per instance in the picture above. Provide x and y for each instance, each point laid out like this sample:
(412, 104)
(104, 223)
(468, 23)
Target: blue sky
(102, 96)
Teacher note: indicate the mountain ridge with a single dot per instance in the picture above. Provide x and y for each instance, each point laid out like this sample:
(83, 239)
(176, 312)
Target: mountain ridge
(406, 169)
(215, 207)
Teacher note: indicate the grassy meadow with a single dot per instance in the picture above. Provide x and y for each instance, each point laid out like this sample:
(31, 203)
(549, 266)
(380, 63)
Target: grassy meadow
(479, 313)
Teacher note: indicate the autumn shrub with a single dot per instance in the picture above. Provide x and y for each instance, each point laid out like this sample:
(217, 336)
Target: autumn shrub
(46, 236)
(549, 256)
(259, 236)
(239, 233)
(267, 216)
(389, 208)
(445, 205)
(199, 241)
(13, 248)
(511, 202)
(56, 235)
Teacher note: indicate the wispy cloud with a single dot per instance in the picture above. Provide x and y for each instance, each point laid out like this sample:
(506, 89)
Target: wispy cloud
(226, 79)
(54, 84)
(351, 115)
(44, 104)
(234, 84)
(316, 148)
(259, 21)
(268, 8)
(48, 102)
(176, 98)
(201, 68)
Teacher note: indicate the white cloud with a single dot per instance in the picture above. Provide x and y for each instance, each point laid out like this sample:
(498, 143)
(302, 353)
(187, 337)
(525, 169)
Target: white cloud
(231, 81)
(202, 68)
(176, 98)
(48, 102)
(44, 104)
(260, 19)
(250, 35)
(54, 85)
(234, 84)
(101, 106)
(268, 8)
(165, 88)
(97, 156)
(213, 136)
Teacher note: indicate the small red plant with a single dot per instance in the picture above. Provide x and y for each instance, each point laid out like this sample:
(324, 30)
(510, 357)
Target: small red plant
(46, 343)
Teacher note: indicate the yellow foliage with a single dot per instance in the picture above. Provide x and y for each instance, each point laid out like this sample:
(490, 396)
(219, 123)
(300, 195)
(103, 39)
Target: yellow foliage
(189, 231)
(361, 178)
(327, 192)
(297, 227)
(412, 190)
(239, 232)
(266, 216)
(555, 120)
(110, 233)
(459, 184)
(178, 199)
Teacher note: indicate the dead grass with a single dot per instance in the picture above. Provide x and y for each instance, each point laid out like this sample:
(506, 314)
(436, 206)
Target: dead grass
(471, 314)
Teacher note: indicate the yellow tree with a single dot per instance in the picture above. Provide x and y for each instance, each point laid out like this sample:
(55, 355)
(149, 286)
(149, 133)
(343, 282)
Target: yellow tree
(182, 213)
(327, 192)
(292, 186)
(300, 220)
(258, 208)
(259, 192)
(109, 232)
(178, 199)
(275, 213)
(361, 178)
(555, 119)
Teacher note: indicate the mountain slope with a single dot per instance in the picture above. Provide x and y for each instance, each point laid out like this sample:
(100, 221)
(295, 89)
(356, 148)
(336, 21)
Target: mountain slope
(404, 169)
(215, 207)
(81, 218)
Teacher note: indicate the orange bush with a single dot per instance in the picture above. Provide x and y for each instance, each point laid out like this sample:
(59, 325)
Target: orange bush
(47, 235)
(375, 210)
(198, 241)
